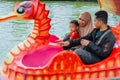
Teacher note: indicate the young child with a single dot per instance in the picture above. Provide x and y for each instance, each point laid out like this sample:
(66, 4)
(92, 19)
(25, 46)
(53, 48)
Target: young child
(74, 31)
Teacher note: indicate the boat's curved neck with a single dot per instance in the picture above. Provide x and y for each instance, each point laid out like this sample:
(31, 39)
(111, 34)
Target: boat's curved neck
(41, 24)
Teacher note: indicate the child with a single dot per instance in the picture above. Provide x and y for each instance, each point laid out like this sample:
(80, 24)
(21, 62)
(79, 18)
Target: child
(74, 31)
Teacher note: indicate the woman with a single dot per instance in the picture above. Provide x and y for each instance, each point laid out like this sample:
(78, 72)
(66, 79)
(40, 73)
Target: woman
(85, 24)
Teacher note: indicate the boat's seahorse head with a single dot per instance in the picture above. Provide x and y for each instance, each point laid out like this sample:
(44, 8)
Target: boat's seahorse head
(27, 10)
(32, 10)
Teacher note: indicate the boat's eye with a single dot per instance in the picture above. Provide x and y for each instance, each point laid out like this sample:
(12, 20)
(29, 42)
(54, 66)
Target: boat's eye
(20, 10)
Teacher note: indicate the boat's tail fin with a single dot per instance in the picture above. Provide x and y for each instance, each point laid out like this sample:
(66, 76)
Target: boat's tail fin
(112, 6)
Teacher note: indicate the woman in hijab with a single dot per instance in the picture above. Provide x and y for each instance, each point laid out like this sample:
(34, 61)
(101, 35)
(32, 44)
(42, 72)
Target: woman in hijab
(85, 22)
(85, 27)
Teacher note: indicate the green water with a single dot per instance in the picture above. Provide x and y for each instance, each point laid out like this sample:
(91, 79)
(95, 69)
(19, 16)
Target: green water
(13, 32)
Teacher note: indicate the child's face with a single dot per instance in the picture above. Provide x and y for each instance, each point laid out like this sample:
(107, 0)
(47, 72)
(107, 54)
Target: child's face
(73, 27)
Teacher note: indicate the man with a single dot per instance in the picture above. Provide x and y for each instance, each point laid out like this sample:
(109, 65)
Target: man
(97, 45)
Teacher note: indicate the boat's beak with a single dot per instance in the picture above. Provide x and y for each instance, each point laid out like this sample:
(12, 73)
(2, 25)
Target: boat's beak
(8, 17)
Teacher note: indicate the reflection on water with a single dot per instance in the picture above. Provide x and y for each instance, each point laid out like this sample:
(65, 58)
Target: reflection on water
(13, 32)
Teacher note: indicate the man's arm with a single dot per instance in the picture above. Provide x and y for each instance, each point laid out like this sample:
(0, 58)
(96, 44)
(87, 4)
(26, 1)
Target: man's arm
(76, 42)
(106, 48)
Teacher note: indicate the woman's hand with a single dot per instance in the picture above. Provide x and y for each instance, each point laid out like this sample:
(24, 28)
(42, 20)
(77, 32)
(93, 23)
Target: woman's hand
(60, 40)
(67, 43)
(62, 43)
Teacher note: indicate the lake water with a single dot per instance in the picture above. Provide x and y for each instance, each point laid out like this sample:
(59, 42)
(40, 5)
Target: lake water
(13, 32)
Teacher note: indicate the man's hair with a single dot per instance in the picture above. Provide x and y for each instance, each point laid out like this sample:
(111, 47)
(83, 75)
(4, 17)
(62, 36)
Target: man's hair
(102, 15)
(75, 22)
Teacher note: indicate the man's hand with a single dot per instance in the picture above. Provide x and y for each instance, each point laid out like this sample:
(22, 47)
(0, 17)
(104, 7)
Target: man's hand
(84, 42)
